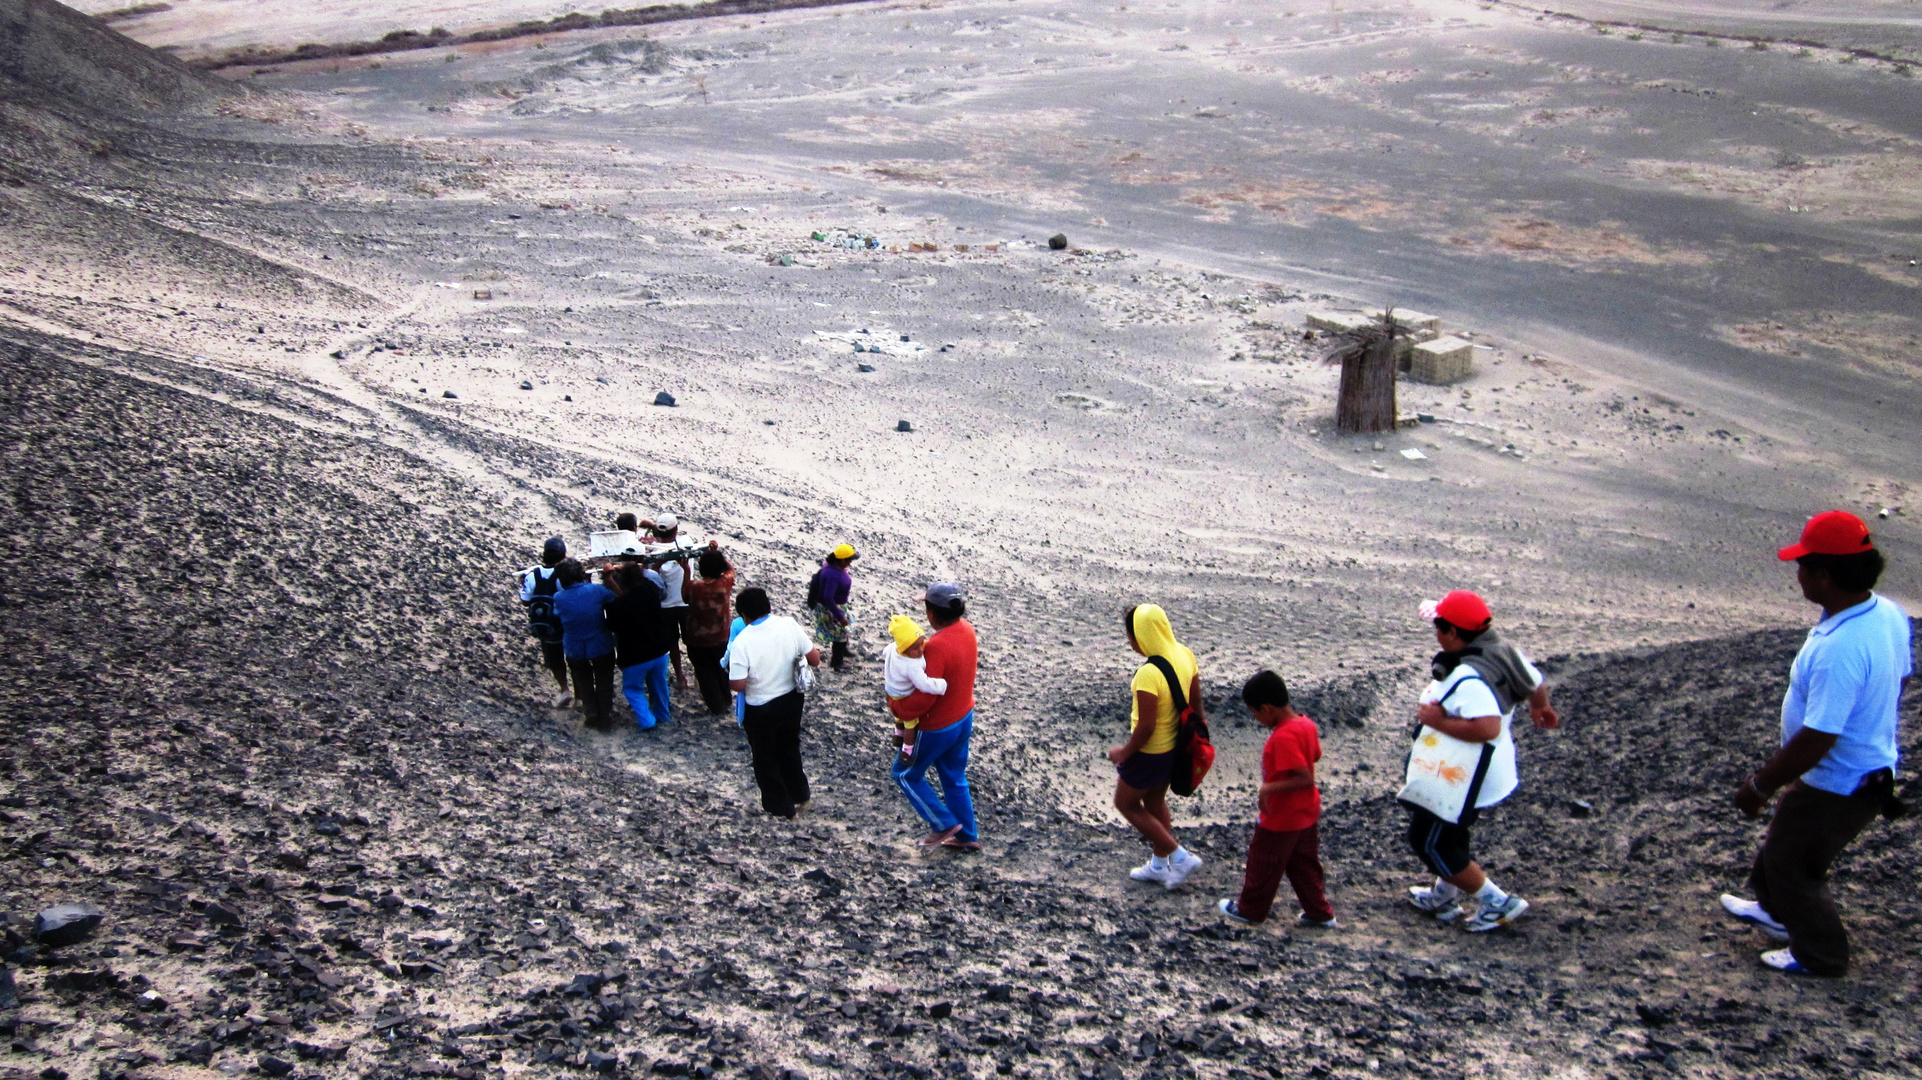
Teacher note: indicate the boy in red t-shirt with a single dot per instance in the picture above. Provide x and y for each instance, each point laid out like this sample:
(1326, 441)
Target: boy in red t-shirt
(1287, 839)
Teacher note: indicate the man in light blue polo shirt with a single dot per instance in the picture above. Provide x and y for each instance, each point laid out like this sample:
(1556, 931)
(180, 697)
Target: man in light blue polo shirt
(1839, 746)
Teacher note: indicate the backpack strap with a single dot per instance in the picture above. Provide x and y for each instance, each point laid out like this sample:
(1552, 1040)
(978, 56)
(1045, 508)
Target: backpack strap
(1161, 664)
(1443, 700)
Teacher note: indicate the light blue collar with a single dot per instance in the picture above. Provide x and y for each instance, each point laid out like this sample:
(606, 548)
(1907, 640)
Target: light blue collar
(1834, 622)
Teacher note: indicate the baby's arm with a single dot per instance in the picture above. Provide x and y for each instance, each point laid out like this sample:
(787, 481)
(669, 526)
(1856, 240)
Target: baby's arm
(917, 671)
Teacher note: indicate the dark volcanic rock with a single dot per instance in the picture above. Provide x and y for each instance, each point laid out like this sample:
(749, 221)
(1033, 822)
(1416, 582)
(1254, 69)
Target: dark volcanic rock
(1058, 242)
(66, 924)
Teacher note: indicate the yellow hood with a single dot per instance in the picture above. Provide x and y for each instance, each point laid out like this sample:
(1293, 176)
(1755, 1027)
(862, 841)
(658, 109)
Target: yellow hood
(1154, 635)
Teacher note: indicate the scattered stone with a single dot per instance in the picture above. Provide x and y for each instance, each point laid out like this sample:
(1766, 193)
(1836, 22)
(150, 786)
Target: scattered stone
(449, 394)
(1654, 1016)
(66, 924)
(483, 294)
(270, 1065)
(221, 915)
(941, 1010)
(527, 384)
(664, 399)
(1580, 808)
(9, 993)
(81, 982)
(1058, 242)
(864, 368)
(904, 426)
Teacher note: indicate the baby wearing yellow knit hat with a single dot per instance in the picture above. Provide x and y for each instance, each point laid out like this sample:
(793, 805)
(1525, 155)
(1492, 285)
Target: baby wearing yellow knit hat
(904, 671)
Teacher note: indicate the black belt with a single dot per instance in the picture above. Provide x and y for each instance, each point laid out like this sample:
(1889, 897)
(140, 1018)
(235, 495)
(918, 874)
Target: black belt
(1879, 787)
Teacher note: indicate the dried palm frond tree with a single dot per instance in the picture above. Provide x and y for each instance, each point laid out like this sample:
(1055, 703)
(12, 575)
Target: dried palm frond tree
(1366, 401)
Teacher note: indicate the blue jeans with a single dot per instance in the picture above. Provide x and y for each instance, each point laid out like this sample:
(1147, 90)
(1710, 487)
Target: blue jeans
(645, 685)
(946, 751)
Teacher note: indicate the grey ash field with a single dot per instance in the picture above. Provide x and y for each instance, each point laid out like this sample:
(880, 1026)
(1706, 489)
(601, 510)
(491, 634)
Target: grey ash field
(269, 468)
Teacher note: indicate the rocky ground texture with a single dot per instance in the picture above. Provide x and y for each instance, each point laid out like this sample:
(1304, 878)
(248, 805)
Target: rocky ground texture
(271, 711)
(274, 722)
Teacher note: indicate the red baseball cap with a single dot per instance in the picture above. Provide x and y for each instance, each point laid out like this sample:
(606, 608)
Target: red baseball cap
(1461, 608)
(1836, 532)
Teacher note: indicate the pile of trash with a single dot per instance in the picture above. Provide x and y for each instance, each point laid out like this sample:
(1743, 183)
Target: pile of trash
(846, 238)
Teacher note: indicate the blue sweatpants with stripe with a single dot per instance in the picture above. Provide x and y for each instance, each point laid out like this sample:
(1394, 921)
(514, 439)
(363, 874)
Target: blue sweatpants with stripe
(946, 752)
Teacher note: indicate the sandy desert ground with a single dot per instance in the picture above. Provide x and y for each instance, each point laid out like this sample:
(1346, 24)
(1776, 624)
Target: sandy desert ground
(272, 464)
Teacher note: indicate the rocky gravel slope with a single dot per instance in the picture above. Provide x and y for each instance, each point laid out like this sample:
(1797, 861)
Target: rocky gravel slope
(271, 714)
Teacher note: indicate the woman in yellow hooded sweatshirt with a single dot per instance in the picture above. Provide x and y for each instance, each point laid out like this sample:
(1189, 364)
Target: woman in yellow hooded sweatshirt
(1145, 763)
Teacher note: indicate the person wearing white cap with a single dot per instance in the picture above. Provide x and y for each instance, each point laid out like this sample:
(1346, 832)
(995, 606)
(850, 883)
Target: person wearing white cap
(664, 535)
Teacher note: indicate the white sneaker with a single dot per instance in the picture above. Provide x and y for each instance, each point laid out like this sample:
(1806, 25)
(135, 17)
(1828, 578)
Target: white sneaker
(1232, 909)
(1445, 906)
(563, 701)
(1489, 916)
(1784, 961)
(1182, 863)
(1751, 912)
(1147, 872)
(1302, 918)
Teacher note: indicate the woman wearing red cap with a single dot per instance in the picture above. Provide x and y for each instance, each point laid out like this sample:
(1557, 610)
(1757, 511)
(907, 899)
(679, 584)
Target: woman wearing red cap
(1463, 760)
(1839, 746)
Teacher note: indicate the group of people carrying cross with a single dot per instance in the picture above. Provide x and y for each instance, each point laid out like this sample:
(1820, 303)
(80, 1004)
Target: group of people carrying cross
(1835, 767)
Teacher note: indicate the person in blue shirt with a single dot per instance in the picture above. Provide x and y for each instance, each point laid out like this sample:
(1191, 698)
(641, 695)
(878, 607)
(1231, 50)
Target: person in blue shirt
(1839, 746)
(589, 647)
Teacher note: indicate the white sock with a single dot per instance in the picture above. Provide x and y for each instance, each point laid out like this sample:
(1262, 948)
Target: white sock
(1490, 893)
(1159, 862)
(1178, 851)
(1444, 889)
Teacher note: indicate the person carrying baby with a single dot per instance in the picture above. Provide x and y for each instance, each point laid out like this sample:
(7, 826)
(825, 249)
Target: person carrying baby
(911, 693)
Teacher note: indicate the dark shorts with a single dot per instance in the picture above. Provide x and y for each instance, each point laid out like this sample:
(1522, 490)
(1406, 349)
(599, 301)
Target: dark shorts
(1145, 772)
(674, 625)
(1443, 847)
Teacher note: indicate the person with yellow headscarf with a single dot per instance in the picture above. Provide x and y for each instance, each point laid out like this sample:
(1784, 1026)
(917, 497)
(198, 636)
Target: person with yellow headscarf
(1145, 763)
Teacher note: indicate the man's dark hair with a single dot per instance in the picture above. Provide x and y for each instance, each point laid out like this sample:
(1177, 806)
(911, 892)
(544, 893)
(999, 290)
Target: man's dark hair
(1850, 573)
(628, 522)
(1264, 688)
(946, 616)
(752, 603)
(1467, 636)
(712, 564)
(553, 551)
(632, 576)
(570, 572)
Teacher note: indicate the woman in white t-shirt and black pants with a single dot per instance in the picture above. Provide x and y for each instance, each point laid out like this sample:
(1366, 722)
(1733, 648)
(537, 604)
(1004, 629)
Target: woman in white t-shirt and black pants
(1478, 679)
(761, 667)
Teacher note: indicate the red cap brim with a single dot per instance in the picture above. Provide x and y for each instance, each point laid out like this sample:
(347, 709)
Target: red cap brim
(1792, 552)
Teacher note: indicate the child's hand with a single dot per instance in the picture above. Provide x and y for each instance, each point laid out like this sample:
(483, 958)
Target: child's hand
(907, 752)
(1430, 712)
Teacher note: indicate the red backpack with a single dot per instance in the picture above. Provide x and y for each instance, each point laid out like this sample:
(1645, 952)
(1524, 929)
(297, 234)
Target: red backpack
(1194, 752)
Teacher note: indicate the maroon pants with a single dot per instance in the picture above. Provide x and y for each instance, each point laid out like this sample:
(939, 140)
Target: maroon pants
(1271, 855)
